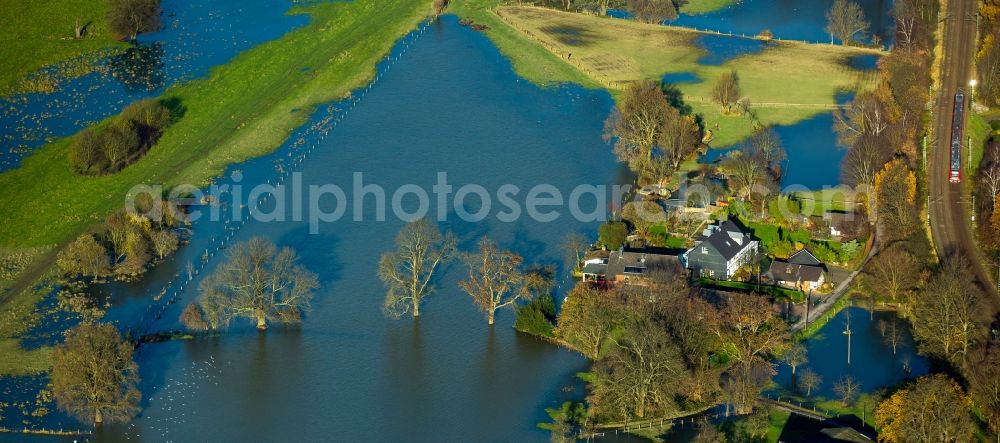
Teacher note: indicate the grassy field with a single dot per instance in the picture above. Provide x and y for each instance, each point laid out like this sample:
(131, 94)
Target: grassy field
(39, 33)
(695, 7)
(243, 109)
(788, 82)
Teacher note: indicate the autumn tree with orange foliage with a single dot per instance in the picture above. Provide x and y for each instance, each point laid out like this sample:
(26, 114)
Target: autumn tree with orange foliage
(895, 200)
(934, 409)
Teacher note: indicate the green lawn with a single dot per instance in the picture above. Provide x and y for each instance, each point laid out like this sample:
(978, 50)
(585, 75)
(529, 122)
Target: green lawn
(788, 82)
(778, 418)
(39, 33)
(978, 128)
(244, 109)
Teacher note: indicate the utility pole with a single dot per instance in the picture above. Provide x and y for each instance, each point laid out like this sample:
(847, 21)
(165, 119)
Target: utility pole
(848, 333)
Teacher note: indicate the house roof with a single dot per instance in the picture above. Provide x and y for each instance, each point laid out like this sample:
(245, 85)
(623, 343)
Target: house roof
(727, 238)
(804, 257)
(640, 263)
(784, 271)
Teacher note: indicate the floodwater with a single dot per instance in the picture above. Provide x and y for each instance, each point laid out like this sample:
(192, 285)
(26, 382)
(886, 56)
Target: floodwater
(452, 104)
(195, 36)
(787, 19)
(813, 156)
(873, 364)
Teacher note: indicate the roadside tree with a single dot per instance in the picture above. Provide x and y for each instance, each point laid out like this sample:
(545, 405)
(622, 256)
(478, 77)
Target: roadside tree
(948, 312)
(934, 409)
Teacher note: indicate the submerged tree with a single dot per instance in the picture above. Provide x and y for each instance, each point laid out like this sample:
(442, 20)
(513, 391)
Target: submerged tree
(94, 377)
(258, 282)
(847, 389)
(845, 20)
(408, 271)
(128, 18)
(795, 355)
(494, 279)
(810, 380)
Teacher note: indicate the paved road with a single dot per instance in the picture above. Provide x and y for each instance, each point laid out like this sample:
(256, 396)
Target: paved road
(950, 224)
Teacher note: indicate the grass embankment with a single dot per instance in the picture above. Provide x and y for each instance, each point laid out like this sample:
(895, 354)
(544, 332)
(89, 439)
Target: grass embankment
(787, 82)
(530, 59)
(244, 109)
(40, 33)
(696, 7)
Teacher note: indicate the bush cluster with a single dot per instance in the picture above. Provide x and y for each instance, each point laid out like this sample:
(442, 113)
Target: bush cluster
(121, 142)
(126, 243)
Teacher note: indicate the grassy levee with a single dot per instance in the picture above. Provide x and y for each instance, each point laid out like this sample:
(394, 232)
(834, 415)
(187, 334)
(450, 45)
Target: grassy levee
(787, 81)
(530, 59)
(243, 109)
(39, 33)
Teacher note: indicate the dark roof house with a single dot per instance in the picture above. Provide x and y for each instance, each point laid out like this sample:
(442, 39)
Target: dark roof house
(721, 251)
(632, 267)
(802, 270)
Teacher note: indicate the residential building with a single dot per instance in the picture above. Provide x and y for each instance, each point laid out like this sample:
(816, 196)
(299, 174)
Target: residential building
(722, 250)
(801, 271)
(636, 267)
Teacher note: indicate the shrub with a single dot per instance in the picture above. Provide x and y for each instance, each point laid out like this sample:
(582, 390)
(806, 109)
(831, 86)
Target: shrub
(120, 140)
(537, 317)
(86, 154)
(193, 319)
(612, 234)
(149, 114)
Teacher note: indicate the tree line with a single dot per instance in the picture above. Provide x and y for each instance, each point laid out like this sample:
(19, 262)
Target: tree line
(882, 129)
(664, 349)
(126, 243)
(110, 148)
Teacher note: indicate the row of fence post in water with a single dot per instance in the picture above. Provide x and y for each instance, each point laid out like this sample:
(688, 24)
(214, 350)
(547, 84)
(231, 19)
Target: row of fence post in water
(176, 287)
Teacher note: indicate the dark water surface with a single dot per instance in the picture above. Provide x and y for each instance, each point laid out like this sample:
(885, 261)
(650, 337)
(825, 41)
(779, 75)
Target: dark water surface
(873, 364)
(814, 157)
(195, 36)
(451, 104)
(787, 19)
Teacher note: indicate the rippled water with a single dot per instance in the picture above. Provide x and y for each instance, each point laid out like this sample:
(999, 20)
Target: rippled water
(450, 104)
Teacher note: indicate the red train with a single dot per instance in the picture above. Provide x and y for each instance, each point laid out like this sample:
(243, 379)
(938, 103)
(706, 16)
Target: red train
(957, 134)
